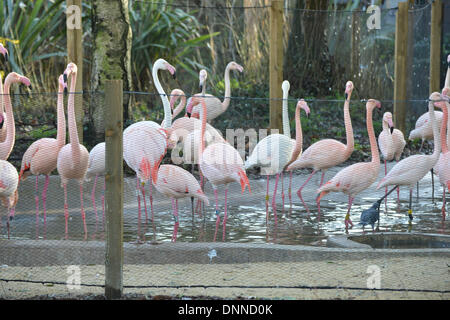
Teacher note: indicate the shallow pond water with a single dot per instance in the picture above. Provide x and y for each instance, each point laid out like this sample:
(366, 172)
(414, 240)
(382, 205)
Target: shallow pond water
(246, 216)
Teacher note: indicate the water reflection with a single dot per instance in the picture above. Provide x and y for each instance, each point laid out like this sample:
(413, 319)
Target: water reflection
(246, 223)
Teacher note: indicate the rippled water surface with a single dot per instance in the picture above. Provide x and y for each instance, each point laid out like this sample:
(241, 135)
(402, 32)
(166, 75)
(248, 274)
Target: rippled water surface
(246, 217)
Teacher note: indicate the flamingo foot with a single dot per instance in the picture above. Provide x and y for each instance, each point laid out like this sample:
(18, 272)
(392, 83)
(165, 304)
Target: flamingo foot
(348, 222)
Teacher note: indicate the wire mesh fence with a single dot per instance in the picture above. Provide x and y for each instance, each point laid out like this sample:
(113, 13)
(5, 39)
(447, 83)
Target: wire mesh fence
(260, 251)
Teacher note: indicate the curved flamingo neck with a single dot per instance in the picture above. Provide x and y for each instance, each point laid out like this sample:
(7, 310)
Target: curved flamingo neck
(447, 78)
(73, 133)
(372, 139)
(448, 126)
(436, 137)
(165, 100)
(2, 107)
(298, 136)
(227, 99)
(285, 115)
(348, 127)
(444, 130)
(203, 129)
(180, 106)
(7, 146)
(61, 131)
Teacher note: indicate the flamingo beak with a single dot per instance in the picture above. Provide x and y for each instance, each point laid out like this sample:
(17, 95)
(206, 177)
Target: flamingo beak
(2, 122)
(201, 86)
(65, 77)
(346, 96)
(174, 75)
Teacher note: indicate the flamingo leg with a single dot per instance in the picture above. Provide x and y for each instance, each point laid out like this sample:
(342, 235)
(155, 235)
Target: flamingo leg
(93, 198)
(299, 192)
(83, 215)
(151, 200)
(44, 201)
(225, 215)
(432, 185)
(385, 189)
(274, 202)
(199, 205)
(66, 210)
(347, 217)
(36, 199)
(282, 189)
(410, 206)
(103, 201)
(139, 207)
(145, 201)
(290, 188)
(443, 205)
(217, 213)
(175, 215)
(321, 179)
(398, 195)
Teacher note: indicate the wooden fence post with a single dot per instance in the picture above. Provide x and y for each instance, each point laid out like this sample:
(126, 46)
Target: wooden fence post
(401, 46)
(75, 55)
(435, 46)
(276, 62)
(114, 188)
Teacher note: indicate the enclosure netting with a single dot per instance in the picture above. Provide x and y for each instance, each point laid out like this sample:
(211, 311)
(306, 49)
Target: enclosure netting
(322, 50)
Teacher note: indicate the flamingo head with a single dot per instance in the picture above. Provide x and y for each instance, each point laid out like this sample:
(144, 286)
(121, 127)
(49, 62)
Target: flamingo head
(303, 105)
(174, 96)
(387, 118)
(62, 83)
(192, 101)
(285, 86)
(437, 99)
(348, 89)
(71, 69)
(446, 93)
(4, 52)
(17, 78)
(164, 65)
(234, 66)
(372, 104)
(202, 76)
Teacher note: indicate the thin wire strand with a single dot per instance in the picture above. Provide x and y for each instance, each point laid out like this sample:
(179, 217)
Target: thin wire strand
(233, 286)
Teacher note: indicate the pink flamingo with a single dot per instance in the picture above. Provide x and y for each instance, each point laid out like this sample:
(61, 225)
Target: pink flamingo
(4, 52)
(391, 142)
(95, 169)
(73, 158)
(175, 183)
(9, 180)
(327, 153)
(359, 176)
(443, 164)
(159, 64)
(7, 145)
(143, 150)
(412, 169)
(276, 151)
(41, 157)
(214, 105)
(220, 163)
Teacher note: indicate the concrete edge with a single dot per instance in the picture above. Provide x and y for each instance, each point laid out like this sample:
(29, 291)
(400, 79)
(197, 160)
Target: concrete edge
(31, 253)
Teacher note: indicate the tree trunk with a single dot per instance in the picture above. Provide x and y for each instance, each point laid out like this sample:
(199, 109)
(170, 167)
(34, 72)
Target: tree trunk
(111, 58)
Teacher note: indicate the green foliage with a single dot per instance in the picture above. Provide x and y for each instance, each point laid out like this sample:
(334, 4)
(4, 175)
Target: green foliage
(43, 132)
(37, 25)
(163, 31)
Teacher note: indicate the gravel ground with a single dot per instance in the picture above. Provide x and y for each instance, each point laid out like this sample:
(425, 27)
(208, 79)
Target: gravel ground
(405, 275)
